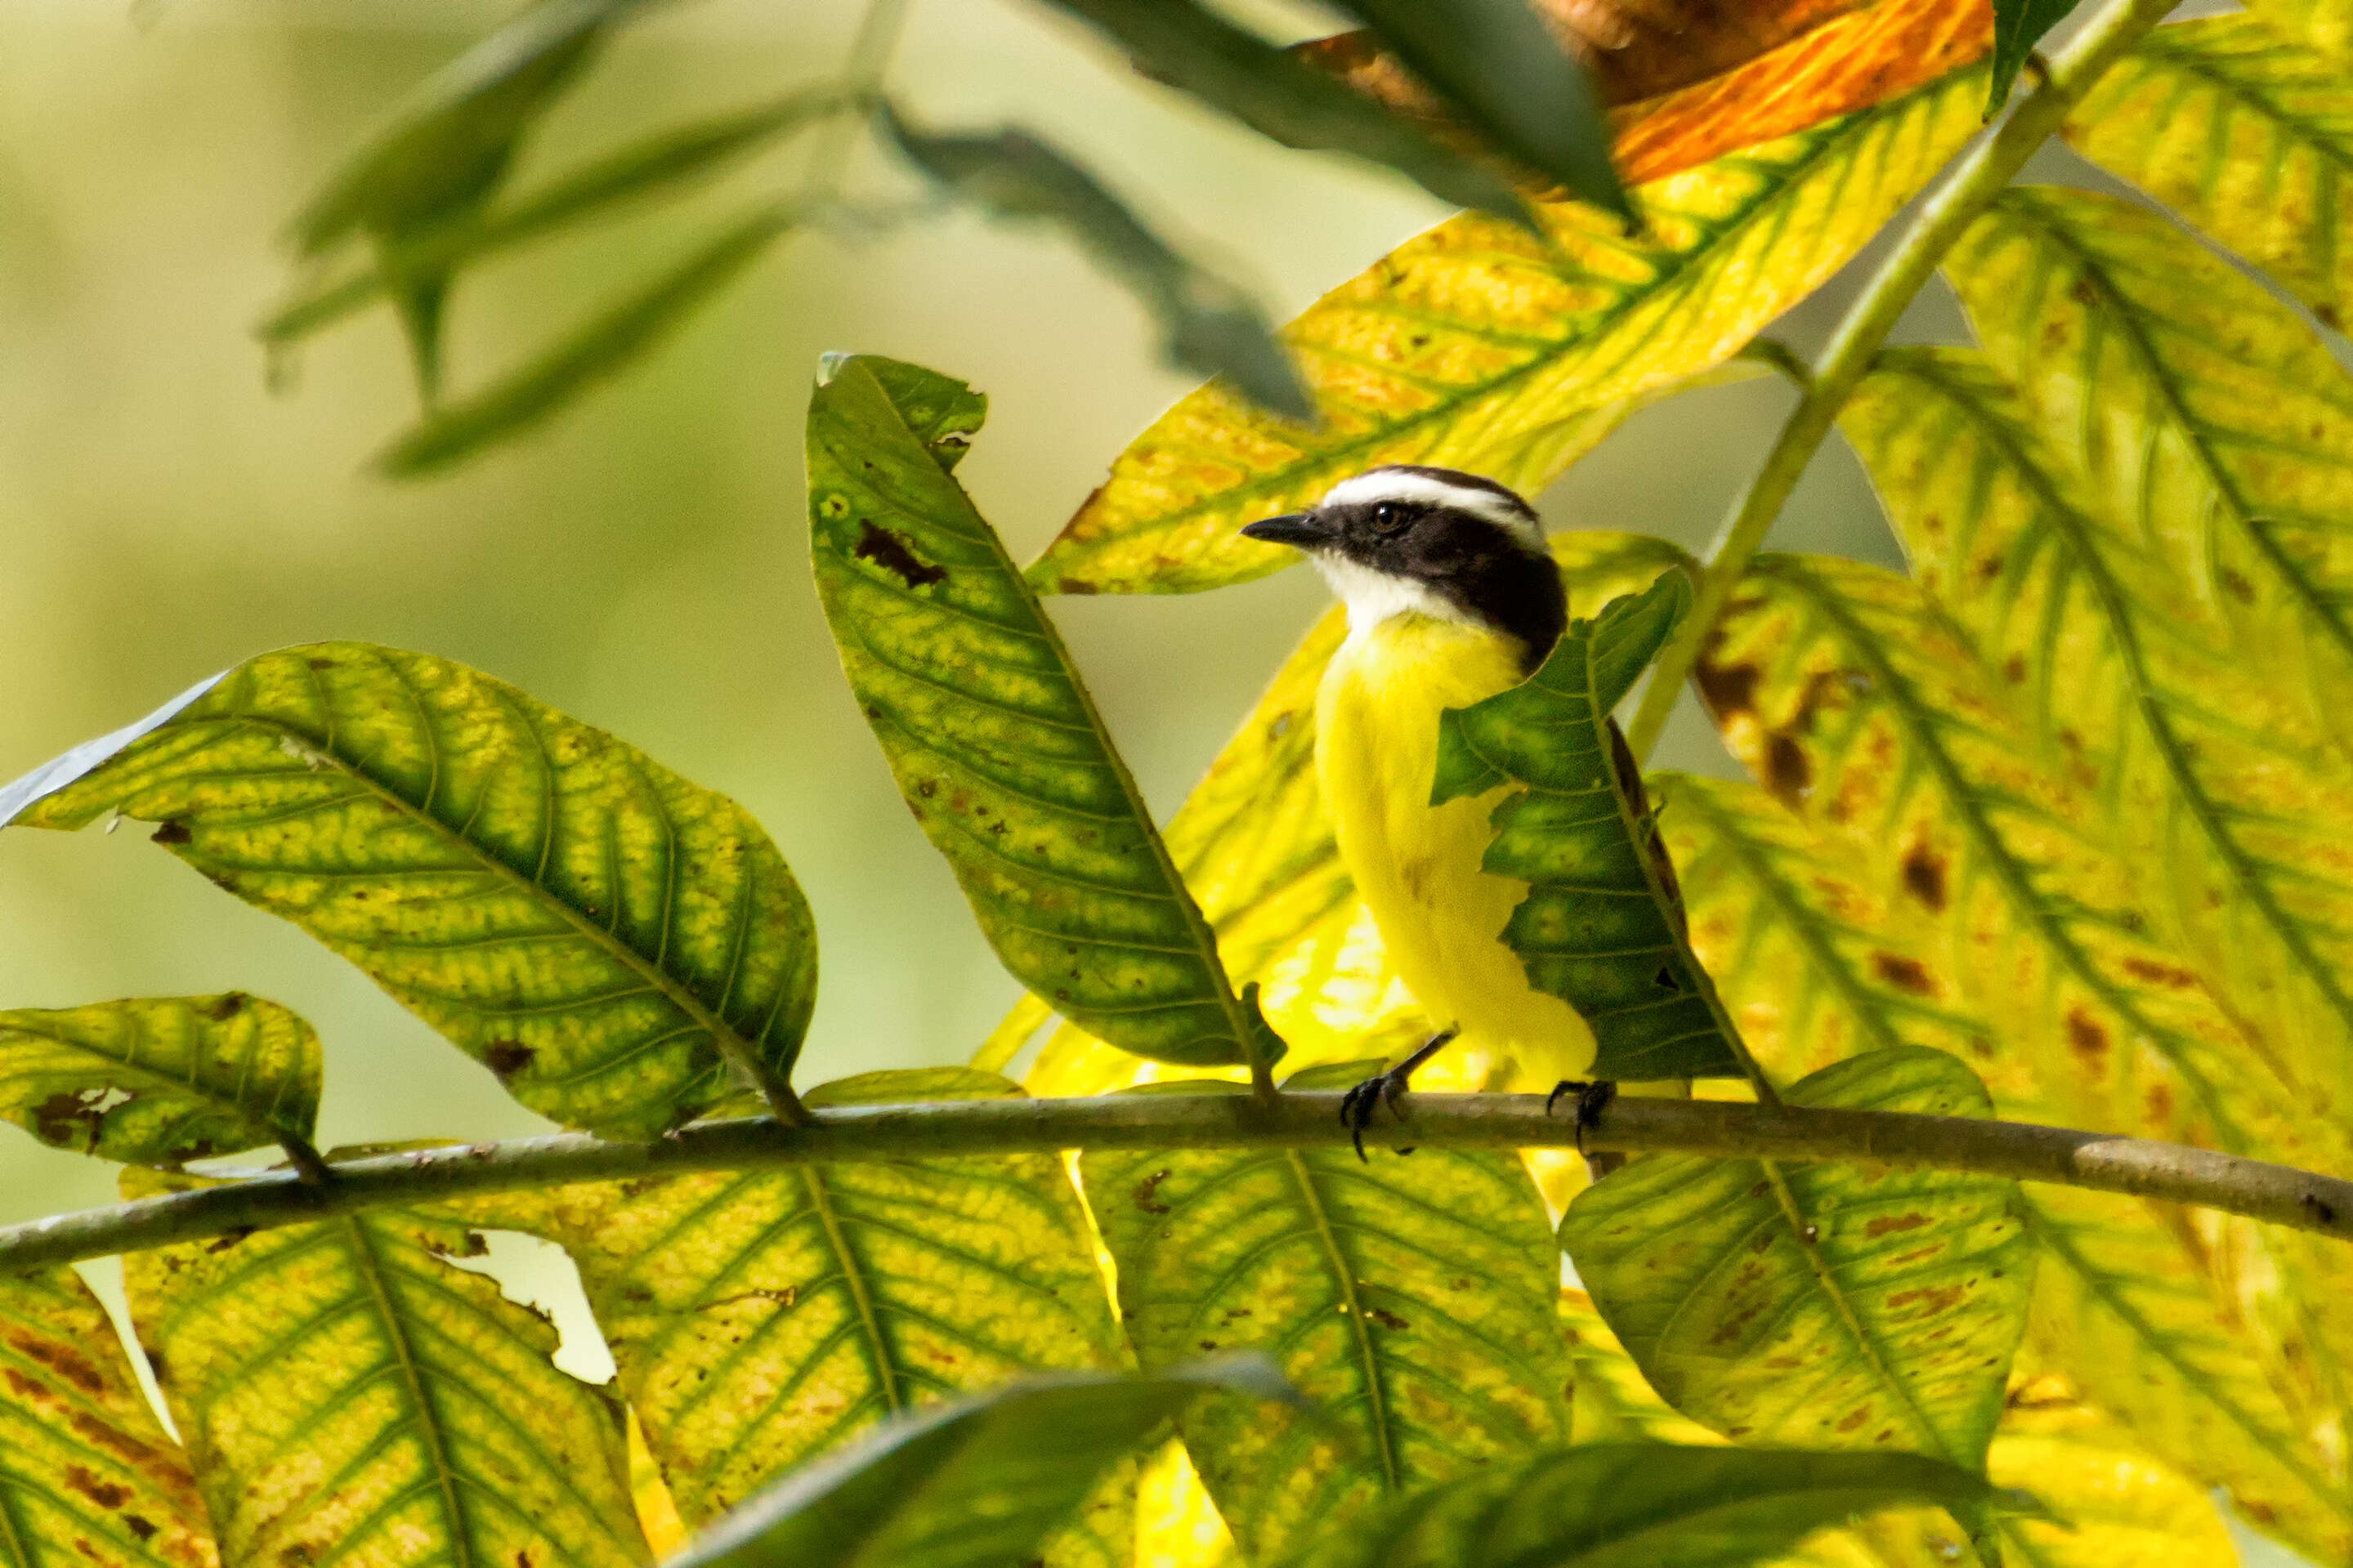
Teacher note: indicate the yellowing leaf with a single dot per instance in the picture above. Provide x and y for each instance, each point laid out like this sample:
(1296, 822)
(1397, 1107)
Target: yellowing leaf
(157, 1081)
(1818, 1306)
(87, 1475)
(2326, 24)
(1410, 1299)
(1612, 1403)
(347, 1394)
(1473, 345)
(2245, 133)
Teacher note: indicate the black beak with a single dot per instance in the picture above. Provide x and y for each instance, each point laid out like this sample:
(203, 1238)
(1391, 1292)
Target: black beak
(1301, 529)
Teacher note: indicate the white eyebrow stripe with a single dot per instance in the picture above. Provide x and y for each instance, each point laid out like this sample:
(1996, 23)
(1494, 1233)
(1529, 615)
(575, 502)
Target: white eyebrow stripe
(1387, 484)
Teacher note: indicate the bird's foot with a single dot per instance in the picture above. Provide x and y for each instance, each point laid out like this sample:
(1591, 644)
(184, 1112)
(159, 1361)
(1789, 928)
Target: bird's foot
(1359, 1104)
(1592, 1098)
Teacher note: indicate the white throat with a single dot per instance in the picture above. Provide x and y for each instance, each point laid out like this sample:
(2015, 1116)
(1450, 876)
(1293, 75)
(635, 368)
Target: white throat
(1373, 596)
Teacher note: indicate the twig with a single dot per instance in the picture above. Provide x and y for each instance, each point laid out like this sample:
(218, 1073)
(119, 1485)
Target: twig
(1976, 181)
(2138, 1167)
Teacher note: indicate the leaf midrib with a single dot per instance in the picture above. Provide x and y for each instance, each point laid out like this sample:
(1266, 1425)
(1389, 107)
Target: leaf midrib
(370, 1267)
(1343, 1276)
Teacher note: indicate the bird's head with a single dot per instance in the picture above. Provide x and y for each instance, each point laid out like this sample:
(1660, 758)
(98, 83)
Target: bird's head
(1407, 540)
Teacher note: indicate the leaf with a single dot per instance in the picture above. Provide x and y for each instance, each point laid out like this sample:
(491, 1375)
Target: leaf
(605, 935)
(1411, 1300)
(975, 1484)
(87, 1475)
(761, 1318)
(1497, 62)
(1232, 69)
(2325, 25)
(448, 148)
(1619, 1506)
(990, 733)
(1208, 324)
(1602, 927)
(345, 1393)
(619, 333)
(2018, 26)
(653, 166)
(1612, 1403)
(157, 1081)
(1473, 345)
(1256, 848)
(1818, 1306)
(2246, 133)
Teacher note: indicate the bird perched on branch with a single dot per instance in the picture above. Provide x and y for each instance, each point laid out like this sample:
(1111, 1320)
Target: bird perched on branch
(1452, 597)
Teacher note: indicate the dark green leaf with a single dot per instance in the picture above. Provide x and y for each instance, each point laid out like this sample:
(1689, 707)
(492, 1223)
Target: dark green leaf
(1501, 68)
(1411, 1299)
(998, 748)
(976, 1484)
(1639, 1506)
(603, 934)
(1273, 92)
(1208, 324)
(654, 165)
(1819, 1306)
(156, 1082)
(2018, 26)
(622, 332)
(1602, 926)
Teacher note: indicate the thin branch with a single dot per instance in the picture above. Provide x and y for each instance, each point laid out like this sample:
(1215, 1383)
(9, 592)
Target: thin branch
(1975, 182)
(2171, 1172)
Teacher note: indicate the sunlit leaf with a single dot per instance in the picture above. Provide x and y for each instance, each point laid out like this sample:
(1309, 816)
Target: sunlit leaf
(609, 341)
(2245, 133)
(990, 731)
(661, 163)
(2326, 24)
(346, 1394)
(2018, 26)
(604, 935)
(1256, 849)
(1601, 926)
(1473, 342)
(1612, 1403)
(1632, 1505)
(761, 1318)
(976, 1484)
(1177, 1525)
(1190, 46)
(86, 1473)
(1208, 323)
(156, 1082)
(1498, 64)
(1410, 1300)
(1818, 1306)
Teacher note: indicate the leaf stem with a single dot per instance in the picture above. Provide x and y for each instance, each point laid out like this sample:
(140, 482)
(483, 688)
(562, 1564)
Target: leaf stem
(1976, 181)
(2172, 1172)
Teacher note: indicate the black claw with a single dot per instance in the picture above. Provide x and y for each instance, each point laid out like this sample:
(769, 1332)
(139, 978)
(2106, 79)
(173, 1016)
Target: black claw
(1592, 1100)
(1360, 1104)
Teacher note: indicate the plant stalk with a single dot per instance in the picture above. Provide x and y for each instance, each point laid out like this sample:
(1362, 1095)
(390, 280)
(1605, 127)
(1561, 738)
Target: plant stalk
(1979, 177)
(2136, 1167)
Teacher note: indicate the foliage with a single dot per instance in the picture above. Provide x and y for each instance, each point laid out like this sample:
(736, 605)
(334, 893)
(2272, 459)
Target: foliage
(2047, 826)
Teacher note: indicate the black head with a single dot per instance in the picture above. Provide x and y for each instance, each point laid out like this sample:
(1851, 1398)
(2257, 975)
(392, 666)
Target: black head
(1404, 539)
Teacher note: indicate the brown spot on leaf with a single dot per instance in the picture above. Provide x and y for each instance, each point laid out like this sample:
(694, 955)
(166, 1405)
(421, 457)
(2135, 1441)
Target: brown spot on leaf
(171, 831)
(2160, 1104)
(1904, 973)
(226, 1008)
(890, 552)
(1728, 688)
(2086, 1036)
(105, 1494)
(508, 1057)
(1786, 772)
(228, 1239)
(2160, 974)
(61, 1359)
(2083, 293)
(1145, 1191)
(143, 1529)
(1887, 1224)
(2013, 669)
(1386, 1320)
(69, 1120)
(1854, 1418)
(2237, 586)
(2328, 317)
(1924, 877)
(1933, 1299)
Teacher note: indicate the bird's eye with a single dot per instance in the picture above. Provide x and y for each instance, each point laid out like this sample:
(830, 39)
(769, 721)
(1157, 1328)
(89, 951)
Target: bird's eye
(1389, 518)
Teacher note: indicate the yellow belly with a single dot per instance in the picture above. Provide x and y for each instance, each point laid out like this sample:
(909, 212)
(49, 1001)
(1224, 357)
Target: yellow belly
(1440, 917)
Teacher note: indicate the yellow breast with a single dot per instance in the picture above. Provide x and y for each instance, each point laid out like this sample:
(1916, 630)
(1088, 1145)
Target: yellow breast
(1440, 917)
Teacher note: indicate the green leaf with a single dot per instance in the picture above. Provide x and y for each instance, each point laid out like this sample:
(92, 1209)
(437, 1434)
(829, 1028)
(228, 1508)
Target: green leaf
(619, 333)
(1511, 77)
(1819, 1306)
(976, 1484)
(1208, 323)
(448, 148)
(1602, 927)
(86, 1473)
(1612, 1403)
(2245, 133)
(761, 1318)
(997, 747)
(2018, 26)
(2324, 24)
(654, 165)
(1410, 1300)
(346, 1394)
(1634, 1505)
(1267, 89)
(605, 935)
(1478, 346)
(157, 1081)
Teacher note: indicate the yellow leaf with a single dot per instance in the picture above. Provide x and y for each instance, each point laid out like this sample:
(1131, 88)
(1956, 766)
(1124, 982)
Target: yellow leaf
(2326, 24)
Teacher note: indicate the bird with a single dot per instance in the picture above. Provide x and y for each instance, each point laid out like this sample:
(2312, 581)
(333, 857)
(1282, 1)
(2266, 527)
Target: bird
(1452, 596)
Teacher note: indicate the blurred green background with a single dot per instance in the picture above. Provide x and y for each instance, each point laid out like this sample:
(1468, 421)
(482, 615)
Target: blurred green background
(639, 563)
